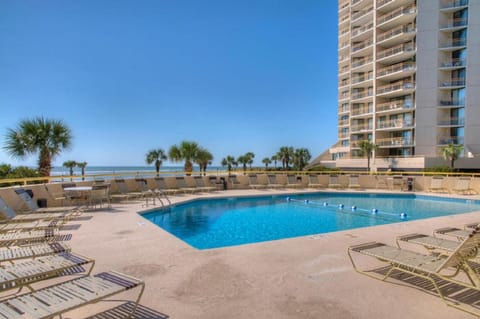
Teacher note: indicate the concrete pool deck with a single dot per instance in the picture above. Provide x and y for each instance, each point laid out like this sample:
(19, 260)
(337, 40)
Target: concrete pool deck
(303, 277)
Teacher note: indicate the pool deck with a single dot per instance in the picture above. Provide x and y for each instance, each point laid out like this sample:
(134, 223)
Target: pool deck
(303, 277)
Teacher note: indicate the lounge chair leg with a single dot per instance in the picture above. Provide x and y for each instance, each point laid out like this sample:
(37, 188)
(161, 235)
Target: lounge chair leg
(137, 301)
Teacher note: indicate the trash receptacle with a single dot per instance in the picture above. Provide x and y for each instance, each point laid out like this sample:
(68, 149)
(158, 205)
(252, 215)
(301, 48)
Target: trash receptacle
(410, 184)
(42, 202)
(224, 182)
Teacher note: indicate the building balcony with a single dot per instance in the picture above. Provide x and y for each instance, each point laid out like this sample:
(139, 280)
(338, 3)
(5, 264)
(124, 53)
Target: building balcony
(363, 111)
(344, 110)
(362, 48)
(397, 53)
(453, 5)
(395, 142)
(361, 95)
(362, 65)
(453, 64)
(456, 121)
(361, 34)
(394, 107)
(400, 34)
(356, 143)
(396, 71)
(343, 83)
(452, 84)
(453, 45)
(402, 15)
(454, 25)
(390, 5)
(362, 82)
(359, 4)
(344, 18)
(361, 128)
(445, 140)
(395, 124)
(451, 103)
(343, 135)
(343, 96)
(343, 122)
(362, 16)
(396, 89)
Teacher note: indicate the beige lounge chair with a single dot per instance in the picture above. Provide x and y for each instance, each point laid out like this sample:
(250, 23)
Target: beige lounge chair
(11, 216)
(436, 185)
(294, 181)
(354, 182)
(15, 238)
(9, 254)
(26, 272)
(333, 181)
(183, 187)
(272, 181)
(58, 299)
(123, 192)
(253, 182)
(430, 243)
(32, 206)
(200, 184)
(163, 188)
(233, 181)
(462, 186)
(313, 181)
(428, 267)
(397, 182)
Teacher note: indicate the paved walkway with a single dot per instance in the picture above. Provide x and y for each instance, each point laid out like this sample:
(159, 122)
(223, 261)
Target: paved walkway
(304, 277)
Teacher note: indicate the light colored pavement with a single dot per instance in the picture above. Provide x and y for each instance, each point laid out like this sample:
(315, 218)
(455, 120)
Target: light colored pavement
(304, 277)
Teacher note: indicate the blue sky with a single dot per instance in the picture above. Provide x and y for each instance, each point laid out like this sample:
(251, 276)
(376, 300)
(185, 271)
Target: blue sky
(129, 76)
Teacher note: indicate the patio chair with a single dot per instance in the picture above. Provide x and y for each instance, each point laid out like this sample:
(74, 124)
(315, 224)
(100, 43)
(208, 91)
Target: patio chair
(26, 272)
(273, 182)
(462, 186)
(333, 181)
(436, 185)
(427, 267)
(458, 233)
(16, 238)
(162, 186)
(32, 206)
(123, 192)
(9, 254)
(234, 182)
(26, 226)
(99, 195)
(397, 182)
(253, 182)
(60, 298)
(183, 187)
(313, 181)
(11, 216)
(430, 243)
(354, 182)
(200, 184)
(294, 181)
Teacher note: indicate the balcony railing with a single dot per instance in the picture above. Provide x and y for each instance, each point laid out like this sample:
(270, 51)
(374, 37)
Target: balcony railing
(396, 13)
(405, 66)
(343, 18)
(455, 23)
(393, 106)
(452, 102)
(362, 13)
(382, 2)
(356, 143)
(454, 4)
(343, 69)
(453, 82)
(363, 61)
(344, 110)
(405, 47)
(401, 85)
(453, 43)
(343, 83)
(395, 31)
(361, 30)
(394, 124)
(445, 140)
(456, 121)
(342, 96)
(361, 111)
(361, 95)
(453, 63)
(362, 127)
(395, 141)
(362, 45)
(342, 122)
(361, 79)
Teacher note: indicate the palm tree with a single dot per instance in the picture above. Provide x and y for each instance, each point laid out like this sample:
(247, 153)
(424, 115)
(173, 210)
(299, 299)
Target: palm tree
(250, 156)
(266, 161)
(203, 159)
(229, 161)
(82, 166)
(156, 156)
(243, 159)
(285, 154)
(274, 158)
(451, 152)
(367, 148)
(39, 135)
(186, 151)
(301, 157)
(70, 165)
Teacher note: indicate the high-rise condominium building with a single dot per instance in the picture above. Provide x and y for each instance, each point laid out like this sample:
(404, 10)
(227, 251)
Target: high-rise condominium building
(409, 81)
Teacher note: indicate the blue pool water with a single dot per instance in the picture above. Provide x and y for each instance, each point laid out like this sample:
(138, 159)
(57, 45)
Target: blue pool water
(224, 222)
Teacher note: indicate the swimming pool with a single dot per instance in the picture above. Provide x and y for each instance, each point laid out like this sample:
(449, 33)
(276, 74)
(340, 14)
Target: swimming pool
(214, 223)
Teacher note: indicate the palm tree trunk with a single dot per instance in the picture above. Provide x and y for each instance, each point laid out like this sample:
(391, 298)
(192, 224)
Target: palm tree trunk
(368, 163)
(188, 168)
(44, 162)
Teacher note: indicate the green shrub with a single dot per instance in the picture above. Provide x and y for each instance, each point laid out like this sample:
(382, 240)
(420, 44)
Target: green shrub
(439, 169)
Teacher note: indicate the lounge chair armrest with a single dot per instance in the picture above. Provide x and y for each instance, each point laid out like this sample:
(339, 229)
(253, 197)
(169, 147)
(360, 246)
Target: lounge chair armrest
(359, 248)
